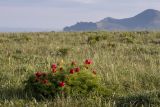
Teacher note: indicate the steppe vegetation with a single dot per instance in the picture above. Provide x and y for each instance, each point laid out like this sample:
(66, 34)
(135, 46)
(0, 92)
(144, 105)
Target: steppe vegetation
(127, 62)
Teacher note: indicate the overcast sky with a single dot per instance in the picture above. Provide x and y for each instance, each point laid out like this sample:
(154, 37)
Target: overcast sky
(56, 14)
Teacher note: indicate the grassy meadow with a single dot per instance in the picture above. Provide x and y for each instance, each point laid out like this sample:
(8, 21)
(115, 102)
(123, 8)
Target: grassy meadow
(128, 63)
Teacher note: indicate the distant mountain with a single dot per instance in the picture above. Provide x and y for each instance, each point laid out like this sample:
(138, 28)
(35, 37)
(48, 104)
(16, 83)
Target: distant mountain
(82, 26)
(147, 20)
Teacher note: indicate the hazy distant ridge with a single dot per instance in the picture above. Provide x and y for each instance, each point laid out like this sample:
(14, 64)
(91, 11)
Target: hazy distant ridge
(147, 20)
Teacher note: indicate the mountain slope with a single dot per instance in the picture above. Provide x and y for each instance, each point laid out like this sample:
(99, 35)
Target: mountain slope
(82, 26)
(147, 20)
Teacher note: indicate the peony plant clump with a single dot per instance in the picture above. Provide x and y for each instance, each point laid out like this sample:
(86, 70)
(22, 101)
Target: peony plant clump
(65, 79)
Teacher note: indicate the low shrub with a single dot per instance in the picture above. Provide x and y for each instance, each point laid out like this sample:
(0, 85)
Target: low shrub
(65, 79)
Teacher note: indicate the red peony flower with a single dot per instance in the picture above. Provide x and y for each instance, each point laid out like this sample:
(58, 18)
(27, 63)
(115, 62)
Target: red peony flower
(61, 84)
(45, 81)
(38, 74)
(54, 66)
(71, 71)
(77, 69)
(54, 70)
(88, 61)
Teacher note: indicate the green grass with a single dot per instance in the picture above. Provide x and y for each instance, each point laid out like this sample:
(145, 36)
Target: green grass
(128, 63)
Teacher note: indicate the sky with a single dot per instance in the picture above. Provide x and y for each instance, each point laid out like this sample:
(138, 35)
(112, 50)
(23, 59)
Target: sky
(56, 14)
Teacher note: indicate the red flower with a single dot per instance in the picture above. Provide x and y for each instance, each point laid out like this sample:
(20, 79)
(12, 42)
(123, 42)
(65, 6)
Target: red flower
(71, 71)
(77, 69)
(45, 81)
(61, 84)
(53, 70)
(54, 66)
(88, 61)
(38, 74)
(73, 63)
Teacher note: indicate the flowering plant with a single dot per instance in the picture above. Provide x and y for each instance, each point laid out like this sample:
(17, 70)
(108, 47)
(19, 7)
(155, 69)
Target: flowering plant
(64, 79)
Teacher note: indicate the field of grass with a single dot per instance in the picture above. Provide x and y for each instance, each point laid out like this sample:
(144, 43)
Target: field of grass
(128, 63)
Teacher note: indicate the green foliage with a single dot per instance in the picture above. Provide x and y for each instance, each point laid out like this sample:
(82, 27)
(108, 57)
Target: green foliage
(84, 83)
(65, 80)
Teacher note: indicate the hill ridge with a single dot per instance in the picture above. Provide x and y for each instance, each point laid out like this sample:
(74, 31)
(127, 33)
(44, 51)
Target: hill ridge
(147, 20)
